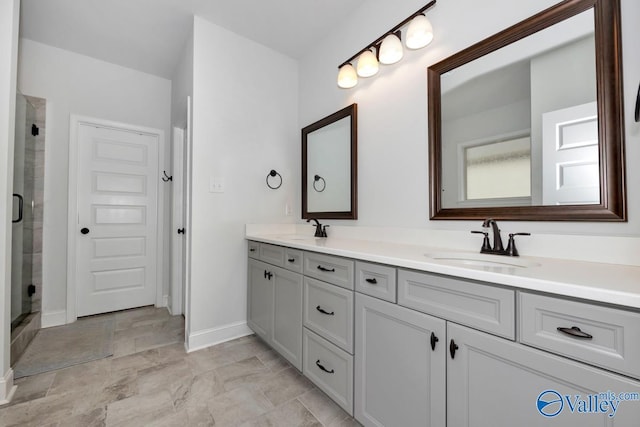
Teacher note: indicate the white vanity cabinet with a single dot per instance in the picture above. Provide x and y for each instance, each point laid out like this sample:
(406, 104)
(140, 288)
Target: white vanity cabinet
(399, 347)
(493, 382)
(328, 325)
(399, 365)
(275, 303)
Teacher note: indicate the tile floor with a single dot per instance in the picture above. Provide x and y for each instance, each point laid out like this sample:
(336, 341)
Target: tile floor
(152, 381)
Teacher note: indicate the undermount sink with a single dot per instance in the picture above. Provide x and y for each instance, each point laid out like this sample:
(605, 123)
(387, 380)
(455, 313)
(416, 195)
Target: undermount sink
(482, 260)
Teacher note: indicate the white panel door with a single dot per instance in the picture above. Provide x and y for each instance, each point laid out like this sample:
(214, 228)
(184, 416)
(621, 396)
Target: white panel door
(571, 171)
(116, 239)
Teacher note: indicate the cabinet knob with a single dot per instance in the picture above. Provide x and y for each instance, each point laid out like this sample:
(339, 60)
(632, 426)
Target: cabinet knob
(434, 340)
(452, 348)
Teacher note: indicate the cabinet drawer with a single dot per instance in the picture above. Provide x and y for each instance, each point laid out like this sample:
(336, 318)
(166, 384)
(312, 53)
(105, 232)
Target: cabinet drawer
(293, 260)
(615, 334)
(470, 303)
(253, 249)
(376, 280)
(328, 311)
(272, 254)
(330, 368)
(336, 270)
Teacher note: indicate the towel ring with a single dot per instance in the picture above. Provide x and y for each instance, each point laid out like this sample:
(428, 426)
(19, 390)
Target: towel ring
(315, 181)
(273, 173)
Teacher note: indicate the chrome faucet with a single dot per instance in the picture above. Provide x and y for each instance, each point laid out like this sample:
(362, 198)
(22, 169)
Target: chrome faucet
(498, 248)
(321, 231)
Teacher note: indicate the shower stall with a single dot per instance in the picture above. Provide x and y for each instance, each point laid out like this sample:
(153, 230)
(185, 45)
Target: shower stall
(26, 239)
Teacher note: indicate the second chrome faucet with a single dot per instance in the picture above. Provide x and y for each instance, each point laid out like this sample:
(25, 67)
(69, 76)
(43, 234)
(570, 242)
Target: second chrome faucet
(497, 248)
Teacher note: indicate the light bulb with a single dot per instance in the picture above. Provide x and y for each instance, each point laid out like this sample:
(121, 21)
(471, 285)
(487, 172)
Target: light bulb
(391, 50)
(367, 64)
(347, 77)
(419, 33)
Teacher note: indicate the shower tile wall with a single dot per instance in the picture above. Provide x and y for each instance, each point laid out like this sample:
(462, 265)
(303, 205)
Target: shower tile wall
(38, 198)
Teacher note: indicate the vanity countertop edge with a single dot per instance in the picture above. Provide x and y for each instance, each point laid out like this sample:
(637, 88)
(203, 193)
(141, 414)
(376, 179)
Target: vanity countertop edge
(599, 282)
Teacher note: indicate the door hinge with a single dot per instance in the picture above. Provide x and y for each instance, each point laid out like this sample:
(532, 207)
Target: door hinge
(35, 130)
(31, 290)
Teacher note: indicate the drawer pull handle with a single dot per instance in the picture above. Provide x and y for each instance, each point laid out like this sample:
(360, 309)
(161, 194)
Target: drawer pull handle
(329, 270)
(319, 365)
(452, 348)
(321, 310)
(434, 340)
(252, 250)
(576, 333)
(372, 281)
(291, 260)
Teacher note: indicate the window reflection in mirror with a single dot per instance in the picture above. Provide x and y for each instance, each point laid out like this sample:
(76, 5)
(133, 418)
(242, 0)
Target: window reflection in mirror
(500, 99)
(498, 169)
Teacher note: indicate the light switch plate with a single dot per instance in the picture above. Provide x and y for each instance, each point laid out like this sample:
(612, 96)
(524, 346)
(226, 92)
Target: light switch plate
(216, 185)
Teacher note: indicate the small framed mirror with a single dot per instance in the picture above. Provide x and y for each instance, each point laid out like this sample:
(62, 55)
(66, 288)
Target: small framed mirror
(528, 123)
(330, 166)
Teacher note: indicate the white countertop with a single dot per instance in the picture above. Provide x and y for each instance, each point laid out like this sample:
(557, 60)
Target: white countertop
(606, 283)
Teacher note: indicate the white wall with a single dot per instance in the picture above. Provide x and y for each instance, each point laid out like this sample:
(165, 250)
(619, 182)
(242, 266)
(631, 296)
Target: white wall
(76, 84)
(9, 22)
(245, 123)
(392, 107)
(182, 85)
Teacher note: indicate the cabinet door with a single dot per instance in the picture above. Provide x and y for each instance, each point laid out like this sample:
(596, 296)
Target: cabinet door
(260, 299)
(492, 382)
(287, 315)
(399, 378)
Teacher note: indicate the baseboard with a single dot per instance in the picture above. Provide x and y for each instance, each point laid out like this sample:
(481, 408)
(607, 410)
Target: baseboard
(7, 389)
(54, 318)
(165, 301)
(210, 337)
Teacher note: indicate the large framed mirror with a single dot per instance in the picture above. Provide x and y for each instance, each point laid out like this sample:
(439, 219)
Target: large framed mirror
(330, 166)
(528, 123)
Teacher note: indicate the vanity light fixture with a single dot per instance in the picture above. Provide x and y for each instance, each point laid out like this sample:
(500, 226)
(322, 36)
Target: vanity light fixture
(388, 48)
(367, 64)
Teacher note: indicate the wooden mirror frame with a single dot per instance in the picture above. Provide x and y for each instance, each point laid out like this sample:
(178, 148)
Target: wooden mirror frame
(612, 206)
(352, 112)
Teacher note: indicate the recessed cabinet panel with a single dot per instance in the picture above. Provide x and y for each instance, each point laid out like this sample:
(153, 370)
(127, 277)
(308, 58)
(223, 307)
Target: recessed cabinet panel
(260, 300)
(287, 315)
(470, 303)
(492, 382)
(399, 366)
(272, 254)
(293, 260)
(330, 368)
(376, 280)
(599, 335)
(332, 269)
(253, 249)
(328, 311)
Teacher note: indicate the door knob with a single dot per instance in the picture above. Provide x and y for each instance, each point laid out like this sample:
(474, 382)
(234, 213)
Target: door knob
(84, 230)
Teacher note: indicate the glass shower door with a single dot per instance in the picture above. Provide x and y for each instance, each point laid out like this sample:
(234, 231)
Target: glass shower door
(22, 220)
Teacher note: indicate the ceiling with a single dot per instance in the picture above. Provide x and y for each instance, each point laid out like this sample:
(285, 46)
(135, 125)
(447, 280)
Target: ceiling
(149, 35)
